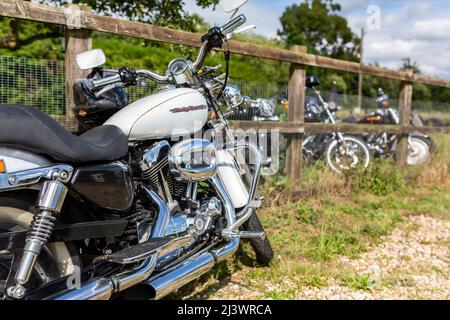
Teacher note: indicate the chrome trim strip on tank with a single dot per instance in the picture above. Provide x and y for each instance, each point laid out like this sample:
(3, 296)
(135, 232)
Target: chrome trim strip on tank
(8, 181)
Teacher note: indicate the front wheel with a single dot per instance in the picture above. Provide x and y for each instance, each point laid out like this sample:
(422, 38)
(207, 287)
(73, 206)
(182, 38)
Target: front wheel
(262, 248)
(348, 154)
(419, 151)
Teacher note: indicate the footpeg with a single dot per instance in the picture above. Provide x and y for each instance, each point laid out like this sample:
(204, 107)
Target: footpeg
(244, 235)
(140, 251)
(257, 203)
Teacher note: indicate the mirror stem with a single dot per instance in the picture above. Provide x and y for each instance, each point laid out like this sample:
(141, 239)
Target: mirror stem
(234, 14)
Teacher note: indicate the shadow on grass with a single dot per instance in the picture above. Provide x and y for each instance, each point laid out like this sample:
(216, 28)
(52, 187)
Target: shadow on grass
(218, 278)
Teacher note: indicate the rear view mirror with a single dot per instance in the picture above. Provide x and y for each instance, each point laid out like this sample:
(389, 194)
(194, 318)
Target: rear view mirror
(90, 59)
(232, 5)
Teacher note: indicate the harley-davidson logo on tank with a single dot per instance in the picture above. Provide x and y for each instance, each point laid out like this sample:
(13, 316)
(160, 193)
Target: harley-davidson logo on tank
(189, 109)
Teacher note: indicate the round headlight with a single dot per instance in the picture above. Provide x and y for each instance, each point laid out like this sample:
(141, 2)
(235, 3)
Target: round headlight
(232, 96)
(193, 160)
(266, 108)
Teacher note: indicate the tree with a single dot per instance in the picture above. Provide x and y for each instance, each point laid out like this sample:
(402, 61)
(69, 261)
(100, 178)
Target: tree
(170, 13)
(409, 64)
(317, 25)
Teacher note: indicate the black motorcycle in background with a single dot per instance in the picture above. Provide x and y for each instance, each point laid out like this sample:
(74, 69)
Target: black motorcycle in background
(383, 145)
(341, 152)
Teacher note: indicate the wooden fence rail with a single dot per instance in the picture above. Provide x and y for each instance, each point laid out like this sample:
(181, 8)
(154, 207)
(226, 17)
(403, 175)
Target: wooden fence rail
(80, 22)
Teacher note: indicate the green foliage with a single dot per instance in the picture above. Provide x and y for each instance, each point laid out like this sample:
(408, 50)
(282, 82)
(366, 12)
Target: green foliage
(317, 25)
(122, 51)
(409, 64)
(169, 13)
(16, 33)
(380, 179)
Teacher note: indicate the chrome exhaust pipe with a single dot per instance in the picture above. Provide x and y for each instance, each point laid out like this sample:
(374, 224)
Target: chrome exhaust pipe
(174, 278)
(180, 275)
(103, 288)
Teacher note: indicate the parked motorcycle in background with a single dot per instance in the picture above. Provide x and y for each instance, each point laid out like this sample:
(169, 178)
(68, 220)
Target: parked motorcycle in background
(341, 152)
(125, 209)
(420, 146)
(256, 110)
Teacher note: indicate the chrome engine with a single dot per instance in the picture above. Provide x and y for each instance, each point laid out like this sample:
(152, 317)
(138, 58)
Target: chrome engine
(155, 169)
(167, 171)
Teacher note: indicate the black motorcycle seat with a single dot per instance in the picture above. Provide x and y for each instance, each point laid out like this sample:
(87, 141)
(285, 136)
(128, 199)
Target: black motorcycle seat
(28, 128)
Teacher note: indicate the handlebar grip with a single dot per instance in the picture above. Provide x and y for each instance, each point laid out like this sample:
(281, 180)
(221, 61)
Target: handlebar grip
(105, 81)
(233, 24)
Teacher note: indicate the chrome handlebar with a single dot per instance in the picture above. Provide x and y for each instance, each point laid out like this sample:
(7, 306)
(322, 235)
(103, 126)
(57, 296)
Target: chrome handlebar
(103, 82)
(233, 24)
(225, 30)
(153, 76)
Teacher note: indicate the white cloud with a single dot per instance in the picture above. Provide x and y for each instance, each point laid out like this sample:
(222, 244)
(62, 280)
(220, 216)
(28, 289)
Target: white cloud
(437, 29)
(415, 30)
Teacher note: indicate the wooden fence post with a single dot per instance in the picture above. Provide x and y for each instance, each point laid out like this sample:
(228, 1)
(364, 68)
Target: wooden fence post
(405, 109)
(76, 40)
(296, 113)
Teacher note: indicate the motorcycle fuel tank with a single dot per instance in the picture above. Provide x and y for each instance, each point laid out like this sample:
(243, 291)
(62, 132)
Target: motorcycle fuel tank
(177, 112)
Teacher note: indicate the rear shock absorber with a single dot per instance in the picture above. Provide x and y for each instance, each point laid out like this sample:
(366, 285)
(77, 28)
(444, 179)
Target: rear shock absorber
(50, 202)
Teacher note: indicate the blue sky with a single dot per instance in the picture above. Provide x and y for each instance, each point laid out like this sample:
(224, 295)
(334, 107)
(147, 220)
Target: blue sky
(407, 28)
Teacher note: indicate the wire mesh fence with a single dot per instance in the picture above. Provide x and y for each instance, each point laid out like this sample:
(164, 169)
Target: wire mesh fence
(38, 83)
(41, 83)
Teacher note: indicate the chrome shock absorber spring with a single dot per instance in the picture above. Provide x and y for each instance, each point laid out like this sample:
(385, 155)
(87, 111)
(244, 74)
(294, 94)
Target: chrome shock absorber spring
(50, 202)
(41, 227)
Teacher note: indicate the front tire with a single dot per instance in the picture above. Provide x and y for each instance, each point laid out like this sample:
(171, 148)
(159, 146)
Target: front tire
(263, 249)
(419, 151)
(341, 159)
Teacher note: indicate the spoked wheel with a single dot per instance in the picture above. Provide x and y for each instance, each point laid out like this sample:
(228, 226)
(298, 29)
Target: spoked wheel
(349, 154)
(418, 151)
(53, 262)
(44, 270)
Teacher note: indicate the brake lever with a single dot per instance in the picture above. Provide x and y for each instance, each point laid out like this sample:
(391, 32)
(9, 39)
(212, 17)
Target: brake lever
(240, 30)
(108, 88)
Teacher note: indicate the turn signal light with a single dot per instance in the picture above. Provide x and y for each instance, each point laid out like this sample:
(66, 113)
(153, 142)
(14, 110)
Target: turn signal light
(2, 166)
(82, 113)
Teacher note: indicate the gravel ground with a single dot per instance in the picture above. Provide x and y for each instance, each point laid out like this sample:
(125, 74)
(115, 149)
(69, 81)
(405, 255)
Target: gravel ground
(411, 263)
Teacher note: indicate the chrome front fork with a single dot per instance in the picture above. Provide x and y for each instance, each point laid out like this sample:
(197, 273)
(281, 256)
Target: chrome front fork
(49, 205)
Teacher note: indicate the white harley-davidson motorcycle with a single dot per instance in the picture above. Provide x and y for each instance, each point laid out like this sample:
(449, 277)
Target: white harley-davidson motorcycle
(124, 209)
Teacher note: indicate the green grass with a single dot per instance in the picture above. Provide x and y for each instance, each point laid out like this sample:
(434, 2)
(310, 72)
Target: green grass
(359, 282)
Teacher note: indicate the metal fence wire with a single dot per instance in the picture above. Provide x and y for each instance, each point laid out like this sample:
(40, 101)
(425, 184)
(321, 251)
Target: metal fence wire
(38, 83)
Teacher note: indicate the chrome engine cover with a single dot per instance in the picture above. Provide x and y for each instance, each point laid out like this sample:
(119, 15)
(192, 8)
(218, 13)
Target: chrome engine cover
(193, 160)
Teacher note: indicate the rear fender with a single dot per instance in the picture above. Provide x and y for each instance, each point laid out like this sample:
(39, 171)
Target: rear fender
(20, 160)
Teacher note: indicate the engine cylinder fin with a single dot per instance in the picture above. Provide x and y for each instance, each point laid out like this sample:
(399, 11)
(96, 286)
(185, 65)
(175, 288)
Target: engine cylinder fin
(162, 181)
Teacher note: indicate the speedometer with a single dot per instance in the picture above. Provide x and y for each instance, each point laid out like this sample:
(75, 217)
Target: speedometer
(178, 66)
(180, 71)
